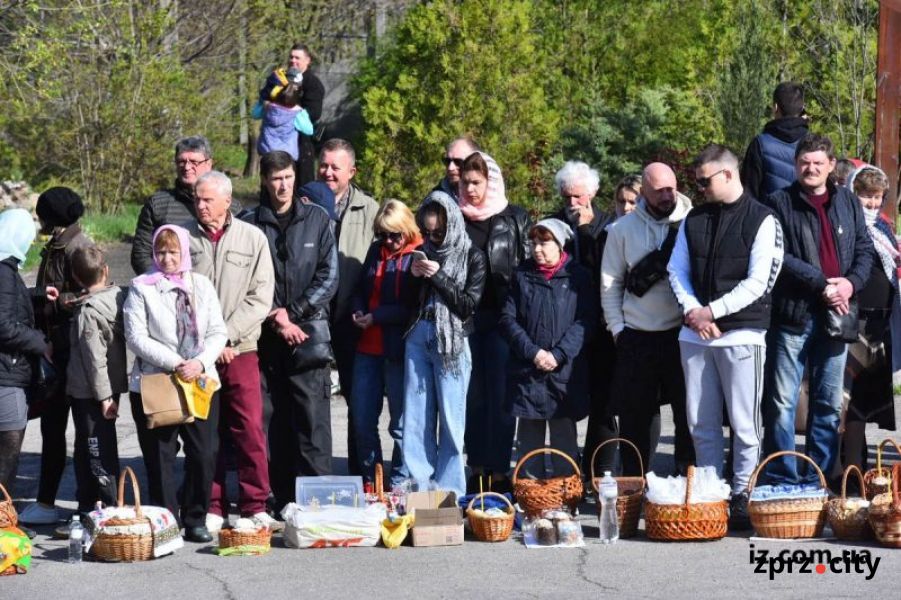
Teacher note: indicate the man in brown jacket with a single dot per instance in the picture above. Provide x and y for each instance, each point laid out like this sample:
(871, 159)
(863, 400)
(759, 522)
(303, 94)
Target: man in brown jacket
(235, 256)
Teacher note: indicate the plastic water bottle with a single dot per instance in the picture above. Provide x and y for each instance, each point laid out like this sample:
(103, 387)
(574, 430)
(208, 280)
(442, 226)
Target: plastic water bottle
(76, 539)
(608, 524)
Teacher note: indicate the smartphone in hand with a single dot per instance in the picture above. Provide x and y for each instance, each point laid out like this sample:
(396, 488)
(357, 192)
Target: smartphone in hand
(419, 255)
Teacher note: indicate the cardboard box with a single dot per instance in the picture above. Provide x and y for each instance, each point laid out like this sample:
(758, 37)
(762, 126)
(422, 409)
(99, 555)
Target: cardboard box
(437, 519)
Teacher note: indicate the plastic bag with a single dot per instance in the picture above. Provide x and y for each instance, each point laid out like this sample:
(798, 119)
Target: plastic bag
(333, 527)
(199, 394)
(706, 486)
(394, 532)
(15, 551)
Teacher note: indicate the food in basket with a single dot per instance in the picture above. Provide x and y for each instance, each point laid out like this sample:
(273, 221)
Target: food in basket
(569, 533)
(244, 525)
(545, 532)
(489, 513)
(882, 499)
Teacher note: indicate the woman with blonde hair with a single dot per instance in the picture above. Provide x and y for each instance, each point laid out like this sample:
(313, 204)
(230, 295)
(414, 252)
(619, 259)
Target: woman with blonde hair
(382, 307)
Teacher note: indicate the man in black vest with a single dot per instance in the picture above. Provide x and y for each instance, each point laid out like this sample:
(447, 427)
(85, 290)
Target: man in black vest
(769, 162)
(727, 256)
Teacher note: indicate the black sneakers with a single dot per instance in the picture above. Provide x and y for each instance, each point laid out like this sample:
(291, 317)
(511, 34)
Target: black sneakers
(739, 519)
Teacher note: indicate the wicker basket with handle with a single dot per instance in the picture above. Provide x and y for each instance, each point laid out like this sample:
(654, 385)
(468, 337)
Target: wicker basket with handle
(491, 528)
(789, 518)
(848, 522)
(536, 495)
(630, 492)
(8, 515)
(885, 513)
(879, 480)
(113, 543)
(687, 521)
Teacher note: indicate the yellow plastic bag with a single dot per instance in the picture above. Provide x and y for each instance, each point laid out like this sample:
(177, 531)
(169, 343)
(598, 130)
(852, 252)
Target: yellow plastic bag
(395, 532)
(199, 394)
(15, 551)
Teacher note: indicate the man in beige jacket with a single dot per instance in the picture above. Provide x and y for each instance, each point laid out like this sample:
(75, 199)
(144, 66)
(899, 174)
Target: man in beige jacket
(644, 317)
(355, 213)
(234, 255)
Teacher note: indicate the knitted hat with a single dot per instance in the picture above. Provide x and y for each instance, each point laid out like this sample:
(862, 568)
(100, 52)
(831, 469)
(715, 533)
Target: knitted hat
(59, 207)
(560, 230)
(320, 195)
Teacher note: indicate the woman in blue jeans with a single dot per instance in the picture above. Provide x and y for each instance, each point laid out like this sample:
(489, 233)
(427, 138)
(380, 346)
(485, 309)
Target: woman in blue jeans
(437, 359)
(382, 307)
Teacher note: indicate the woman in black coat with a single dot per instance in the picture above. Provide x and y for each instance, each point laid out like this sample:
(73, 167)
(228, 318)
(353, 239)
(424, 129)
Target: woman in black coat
(21, 343)
(545, 320)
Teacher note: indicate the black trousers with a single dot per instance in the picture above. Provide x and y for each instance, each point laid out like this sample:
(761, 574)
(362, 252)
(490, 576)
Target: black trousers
(54, 421)
(345, 336)
(648, 373)
(160, 448)
(300, 432)
(305, 166)
(96, 457)
(601, 423)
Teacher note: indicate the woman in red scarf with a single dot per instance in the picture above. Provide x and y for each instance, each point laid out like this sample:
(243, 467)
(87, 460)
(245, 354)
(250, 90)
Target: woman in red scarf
(384, 303)
(546, 318)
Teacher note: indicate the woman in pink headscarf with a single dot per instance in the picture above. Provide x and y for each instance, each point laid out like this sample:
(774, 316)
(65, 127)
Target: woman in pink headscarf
(173, 324)
(500, 230)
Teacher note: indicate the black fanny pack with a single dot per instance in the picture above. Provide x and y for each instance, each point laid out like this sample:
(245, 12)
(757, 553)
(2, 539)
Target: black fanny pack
(652, 268)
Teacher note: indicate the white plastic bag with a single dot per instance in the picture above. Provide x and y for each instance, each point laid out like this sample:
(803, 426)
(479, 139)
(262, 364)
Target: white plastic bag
(333, 526)
(705, 487)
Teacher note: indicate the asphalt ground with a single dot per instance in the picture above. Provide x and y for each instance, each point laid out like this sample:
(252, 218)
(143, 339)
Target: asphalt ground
(631, 568)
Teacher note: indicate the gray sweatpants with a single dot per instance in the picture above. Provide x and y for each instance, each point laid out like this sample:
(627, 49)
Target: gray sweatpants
(733, 374)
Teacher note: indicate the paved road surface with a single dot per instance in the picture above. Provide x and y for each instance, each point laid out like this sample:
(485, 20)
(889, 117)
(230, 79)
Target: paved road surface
(635, 568)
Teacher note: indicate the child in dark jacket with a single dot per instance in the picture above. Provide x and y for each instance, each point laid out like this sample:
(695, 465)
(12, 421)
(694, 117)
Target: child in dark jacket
(282, 115)
(547, 319)
(383, 306)
(97, 375)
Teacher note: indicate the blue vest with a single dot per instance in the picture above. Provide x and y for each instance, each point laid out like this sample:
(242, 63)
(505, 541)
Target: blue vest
(778, 162)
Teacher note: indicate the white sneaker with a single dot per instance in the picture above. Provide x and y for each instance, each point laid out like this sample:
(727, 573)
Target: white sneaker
(39, 514)
(214, 522)
(264, 520)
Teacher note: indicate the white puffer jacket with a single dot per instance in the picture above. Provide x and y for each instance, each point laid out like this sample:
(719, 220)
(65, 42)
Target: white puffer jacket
(151, 331)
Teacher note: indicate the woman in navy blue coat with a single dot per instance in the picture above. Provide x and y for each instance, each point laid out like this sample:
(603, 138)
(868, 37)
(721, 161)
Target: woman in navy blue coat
(546, 319)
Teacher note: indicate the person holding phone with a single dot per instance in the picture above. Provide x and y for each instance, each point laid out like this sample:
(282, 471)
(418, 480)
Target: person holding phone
(437, 361)
(382, 307)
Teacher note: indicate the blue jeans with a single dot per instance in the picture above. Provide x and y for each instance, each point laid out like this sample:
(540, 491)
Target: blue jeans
(489, 428)
(434, 411)
(787, 353)
(374, 376)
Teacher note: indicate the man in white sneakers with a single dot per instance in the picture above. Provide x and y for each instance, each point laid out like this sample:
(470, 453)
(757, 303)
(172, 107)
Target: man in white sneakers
(727, 256)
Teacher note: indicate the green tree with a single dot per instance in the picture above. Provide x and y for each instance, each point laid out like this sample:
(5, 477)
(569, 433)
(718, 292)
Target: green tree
(451, 68)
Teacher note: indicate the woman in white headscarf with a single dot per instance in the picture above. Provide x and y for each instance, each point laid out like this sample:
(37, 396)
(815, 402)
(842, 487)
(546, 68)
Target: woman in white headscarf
(21, 343)
(500, 230)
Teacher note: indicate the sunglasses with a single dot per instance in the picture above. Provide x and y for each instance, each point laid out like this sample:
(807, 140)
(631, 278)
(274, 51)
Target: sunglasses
(394, 236)
(447, 160)
(436, 235)
(703, 182)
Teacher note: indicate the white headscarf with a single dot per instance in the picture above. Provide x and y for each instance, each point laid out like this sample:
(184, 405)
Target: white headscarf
(17, 232)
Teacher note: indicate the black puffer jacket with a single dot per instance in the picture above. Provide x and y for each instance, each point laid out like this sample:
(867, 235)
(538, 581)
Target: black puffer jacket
(798, 291)
(462, 301)
(19, 340)
(508, 245)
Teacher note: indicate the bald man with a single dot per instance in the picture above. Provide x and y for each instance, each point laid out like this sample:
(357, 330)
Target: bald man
(644, 317)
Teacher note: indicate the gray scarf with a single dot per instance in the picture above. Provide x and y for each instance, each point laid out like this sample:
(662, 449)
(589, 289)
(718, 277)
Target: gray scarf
(453, 256)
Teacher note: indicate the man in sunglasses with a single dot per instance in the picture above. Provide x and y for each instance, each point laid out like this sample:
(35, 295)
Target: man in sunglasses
(454, 155)
(727, 256)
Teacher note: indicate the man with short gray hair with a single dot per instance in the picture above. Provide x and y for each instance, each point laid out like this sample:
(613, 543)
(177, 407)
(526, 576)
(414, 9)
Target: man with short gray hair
(235, 256)
(193, 158)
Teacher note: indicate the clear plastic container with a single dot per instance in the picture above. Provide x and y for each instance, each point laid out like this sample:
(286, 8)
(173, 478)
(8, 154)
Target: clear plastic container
(330, 490)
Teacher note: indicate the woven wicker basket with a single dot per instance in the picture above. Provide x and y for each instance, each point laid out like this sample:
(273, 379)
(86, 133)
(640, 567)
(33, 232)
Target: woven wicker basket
(8, 515)
(873, 488)
(885, 519)
(800, 518)
(848, 524)
(230, 538)
(536, 495)
(686, 521)
(491, 529)
(630, 492)
(131, 547)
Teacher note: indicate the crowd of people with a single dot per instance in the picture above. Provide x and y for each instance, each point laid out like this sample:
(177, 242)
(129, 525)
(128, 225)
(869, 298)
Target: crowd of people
(482, 327)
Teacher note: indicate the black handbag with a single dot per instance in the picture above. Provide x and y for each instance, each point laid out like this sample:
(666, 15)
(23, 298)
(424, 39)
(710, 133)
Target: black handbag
(316, 351)
(843, 327)
(44, 386)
